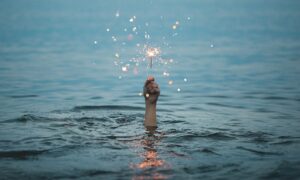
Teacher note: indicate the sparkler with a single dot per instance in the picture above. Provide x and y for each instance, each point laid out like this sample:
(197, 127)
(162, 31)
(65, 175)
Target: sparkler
(152, 52)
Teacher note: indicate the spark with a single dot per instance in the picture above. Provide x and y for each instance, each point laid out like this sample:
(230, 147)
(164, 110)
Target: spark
(114, 38)
(166, 74)
(124, 69)
(131, 20)
(147, 36)
(152, 52)
(117, 14)
(147, 95)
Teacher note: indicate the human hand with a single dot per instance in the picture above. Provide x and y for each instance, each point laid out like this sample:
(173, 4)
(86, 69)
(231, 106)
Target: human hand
(151, 90)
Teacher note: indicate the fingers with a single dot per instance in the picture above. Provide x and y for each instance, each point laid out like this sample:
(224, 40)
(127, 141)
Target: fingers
(152, 88)
(149, 80)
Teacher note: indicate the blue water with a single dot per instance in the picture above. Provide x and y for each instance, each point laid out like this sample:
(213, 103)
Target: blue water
(68, 112)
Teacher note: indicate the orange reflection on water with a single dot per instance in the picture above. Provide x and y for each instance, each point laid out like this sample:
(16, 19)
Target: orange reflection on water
(151, 163)
(150, 160)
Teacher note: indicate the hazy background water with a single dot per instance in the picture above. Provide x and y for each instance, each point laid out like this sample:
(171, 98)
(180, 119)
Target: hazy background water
(65, 113)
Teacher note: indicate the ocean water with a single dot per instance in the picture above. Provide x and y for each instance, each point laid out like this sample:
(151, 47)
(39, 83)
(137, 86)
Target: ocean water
(69, 112)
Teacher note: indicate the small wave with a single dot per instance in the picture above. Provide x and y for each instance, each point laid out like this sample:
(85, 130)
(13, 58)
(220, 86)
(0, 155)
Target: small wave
(96, 172)
(24, 96)
(249, 134)
(283, 143)
(96, 97)
(23, 154)
(275, 98)
(173, 121)
(25, 118)
(285, 170)
(201, 169)
(218, 96)
(108, 107)
(208, 151)
(258, 152)
(208, 135)
(225, 105)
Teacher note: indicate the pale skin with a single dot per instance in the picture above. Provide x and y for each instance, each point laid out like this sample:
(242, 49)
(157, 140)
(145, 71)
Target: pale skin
(151, 94)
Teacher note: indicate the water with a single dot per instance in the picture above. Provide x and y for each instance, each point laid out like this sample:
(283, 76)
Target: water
(68, 112)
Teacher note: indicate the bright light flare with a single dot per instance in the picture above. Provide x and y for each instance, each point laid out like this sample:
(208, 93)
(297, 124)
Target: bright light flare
(152, 52)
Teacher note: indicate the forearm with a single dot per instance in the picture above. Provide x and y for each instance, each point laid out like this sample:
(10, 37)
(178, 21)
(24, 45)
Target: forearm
(150, 115)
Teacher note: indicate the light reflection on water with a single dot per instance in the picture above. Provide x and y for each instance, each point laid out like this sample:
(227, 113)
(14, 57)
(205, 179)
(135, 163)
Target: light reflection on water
(151, 159)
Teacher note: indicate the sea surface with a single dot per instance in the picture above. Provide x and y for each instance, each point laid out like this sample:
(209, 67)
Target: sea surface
(230, 96)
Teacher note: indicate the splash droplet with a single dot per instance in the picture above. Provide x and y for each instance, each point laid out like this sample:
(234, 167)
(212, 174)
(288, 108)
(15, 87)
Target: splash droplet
(178, 89)
(140, 94)
(95, 42)
(107, 29)
(147, 95)
(185, 79)
(170, 82)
